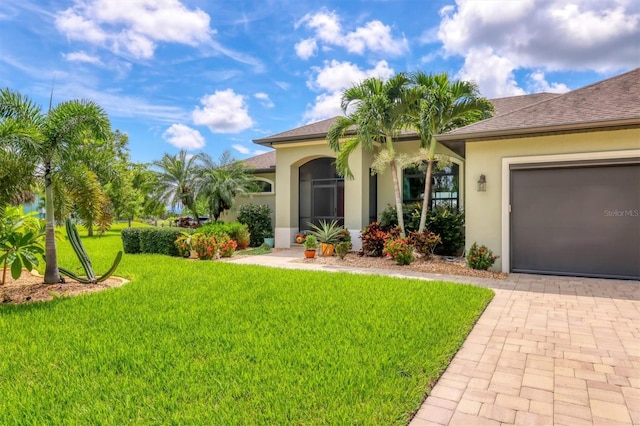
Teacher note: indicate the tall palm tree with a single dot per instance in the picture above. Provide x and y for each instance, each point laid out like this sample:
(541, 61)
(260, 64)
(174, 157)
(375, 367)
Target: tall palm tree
(177, 179)
(444, 105)
(53, 137)
(379, 113)
(221, 182)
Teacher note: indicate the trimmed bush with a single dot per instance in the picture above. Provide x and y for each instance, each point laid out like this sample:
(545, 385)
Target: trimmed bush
(400, 250)
(152, 240)
(237, 231)
(448, 224)
(480, 257)
(131, 240)
(258, 220)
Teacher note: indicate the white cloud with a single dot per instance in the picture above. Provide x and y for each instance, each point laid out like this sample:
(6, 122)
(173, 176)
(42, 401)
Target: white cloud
(374, 36)
(241, 149)
(264, 100)
(332, 79)
(134, 28)
(223, 112)
(306, 48)
(337, 76)
(545, 35)
(183, 137)
(493, 74)
(81, 56)
(539, 83)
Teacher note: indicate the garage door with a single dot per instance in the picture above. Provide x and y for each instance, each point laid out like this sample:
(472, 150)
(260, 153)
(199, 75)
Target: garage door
(579, 219)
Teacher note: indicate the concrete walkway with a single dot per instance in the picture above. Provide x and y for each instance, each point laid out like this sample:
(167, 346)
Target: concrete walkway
(547, 351)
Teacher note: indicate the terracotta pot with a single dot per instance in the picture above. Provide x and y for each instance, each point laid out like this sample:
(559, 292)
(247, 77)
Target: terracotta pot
(327, 249)
(309, 254)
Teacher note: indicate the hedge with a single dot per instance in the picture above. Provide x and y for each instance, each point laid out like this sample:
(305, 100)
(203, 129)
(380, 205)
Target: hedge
(152, 240)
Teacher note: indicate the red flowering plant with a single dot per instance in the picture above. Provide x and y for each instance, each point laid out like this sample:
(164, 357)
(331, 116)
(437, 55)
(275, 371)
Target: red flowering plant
(205, 245)
(425, 242)
(226, 245)
(480, 257)
(400, 250)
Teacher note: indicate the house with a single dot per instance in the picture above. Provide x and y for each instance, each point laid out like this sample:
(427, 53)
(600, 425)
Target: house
(561, 172)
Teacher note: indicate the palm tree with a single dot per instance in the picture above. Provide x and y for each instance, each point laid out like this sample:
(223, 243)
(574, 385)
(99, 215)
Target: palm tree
(177, 179)
(380, 113)
(17, 136)
(52, 139)
(221, 182)
(444, 105)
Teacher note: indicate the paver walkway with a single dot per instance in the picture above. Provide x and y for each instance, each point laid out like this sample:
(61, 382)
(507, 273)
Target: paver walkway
(546, 351)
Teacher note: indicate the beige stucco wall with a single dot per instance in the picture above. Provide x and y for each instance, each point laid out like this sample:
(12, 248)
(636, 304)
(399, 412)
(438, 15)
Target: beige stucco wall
(487, 212)
(269, 199)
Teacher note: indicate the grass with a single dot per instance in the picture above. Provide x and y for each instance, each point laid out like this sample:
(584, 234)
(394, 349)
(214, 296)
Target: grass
(215, 343)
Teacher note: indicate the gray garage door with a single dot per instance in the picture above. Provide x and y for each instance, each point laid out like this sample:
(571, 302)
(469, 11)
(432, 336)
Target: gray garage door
(576, 219)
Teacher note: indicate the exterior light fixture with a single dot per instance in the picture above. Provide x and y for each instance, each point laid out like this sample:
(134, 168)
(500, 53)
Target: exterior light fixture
(482, 183)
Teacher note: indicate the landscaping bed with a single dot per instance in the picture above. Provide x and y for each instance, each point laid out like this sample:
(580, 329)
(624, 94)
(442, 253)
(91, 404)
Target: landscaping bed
(436, 265)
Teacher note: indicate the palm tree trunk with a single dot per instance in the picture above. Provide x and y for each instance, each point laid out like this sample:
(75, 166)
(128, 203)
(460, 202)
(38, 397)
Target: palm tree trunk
(51, 273)
(396, 191)
(426, 196)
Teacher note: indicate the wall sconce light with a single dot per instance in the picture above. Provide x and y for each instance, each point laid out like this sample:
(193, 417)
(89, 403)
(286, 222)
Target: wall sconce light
(482, 183)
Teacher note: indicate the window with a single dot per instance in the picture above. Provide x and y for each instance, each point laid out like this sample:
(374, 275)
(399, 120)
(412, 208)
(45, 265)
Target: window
(263, 186)
(445, 183)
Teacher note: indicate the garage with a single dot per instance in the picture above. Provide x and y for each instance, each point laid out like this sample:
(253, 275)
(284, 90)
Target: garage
(576, 218)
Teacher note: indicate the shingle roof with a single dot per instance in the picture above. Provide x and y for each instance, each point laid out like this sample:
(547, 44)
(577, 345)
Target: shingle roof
(611, 102)
(315, 130)
(262, 162)
(514, 103)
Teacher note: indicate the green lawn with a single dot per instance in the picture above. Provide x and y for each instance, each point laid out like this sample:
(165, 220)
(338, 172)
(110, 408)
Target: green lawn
(215, 343)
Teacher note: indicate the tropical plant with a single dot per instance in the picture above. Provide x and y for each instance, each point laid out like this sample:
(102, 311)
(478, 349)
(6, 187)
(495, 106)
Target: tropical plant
(219, 183)
(327, 232)
(424, 242)
(380, 113)
(56, 139)
(83, 257)
(443, 105)
(480, 257)
(19, 137)
(183, 244)
(400, 250)
(343, 248)
(20, 242)
(311, 243)
(373, 240)
(177, 179)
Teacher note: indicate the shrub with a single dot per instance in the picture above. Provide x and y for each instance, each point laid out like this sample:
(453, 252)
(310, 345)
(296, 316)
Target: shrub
(131, 240)
(424, 242)
(226, 246)
(400, 250)
(237, 231)
(183, 244)
(258, 221)
(343, 248)
(480, 257)
(447, 223)
(160, 240)
(373, 239)
(205, 245)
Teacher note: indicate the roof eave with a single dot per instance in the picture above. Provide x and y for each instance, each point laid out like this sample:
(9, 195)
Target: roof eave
(504, 133)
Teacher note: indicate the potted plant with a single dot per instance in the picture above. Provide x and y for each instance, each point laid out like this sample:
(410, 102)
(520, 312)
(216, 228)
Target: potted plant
(328, 234)
(268, 239)
(310, 246)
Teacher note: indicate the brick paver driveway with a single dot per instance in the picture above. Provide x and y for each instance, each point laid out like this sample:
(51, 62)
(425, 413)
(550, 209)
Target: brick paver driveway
(547, 350)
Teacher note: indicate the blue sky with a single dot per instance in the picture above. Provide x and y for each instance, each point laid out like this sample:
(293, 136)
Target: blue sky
(208, 75)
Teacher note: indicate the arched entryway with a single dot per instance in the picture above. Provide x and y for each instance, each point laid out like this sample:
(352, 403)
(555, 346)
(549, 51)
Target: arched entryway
(321, 194)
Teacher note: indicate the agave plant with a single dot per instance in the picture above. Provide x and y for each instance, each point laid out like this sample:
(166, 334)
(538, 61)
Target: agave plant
(327, 232)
